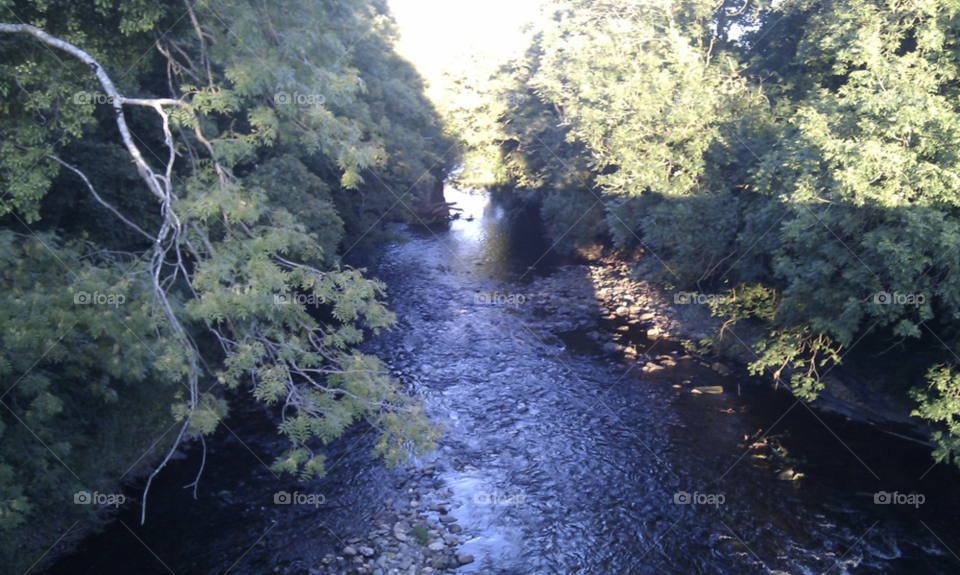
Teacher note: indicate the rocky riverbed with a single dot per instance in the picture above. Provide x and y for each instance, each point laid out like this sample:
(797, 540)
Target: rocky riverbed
(487, 331)
(565, 300)
(578, 295)
(418, 533)
(600, 308)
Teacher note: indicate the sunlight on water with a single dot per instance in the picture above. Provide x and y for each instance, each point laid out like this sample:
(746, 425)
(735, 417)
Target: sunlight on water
(474, 204)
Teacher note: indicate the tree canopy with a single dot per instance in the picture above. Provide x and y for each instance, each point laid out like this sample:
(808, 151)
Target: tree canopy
(180, 181)
(798, 156)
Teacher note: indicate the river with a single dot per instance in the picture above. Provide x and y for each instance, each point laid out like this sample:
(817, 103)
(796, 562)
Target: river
(587, 463)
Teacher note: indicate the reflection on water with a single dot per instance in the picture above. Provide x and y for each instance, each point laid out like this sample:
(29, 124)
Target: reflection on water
(501, 241)
(475, 206)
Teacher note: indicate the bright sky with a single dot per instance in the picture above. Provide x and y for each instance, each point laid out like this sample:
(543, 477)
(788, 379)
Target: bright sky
(434, 32)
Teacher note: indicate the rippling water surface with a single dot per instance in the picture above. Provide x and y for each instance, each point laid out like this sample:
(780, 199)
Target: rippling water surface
(583, 461)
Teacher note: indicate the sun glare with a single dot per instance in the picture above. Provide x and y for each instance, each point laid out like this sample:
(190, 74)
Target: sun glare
(435, 32)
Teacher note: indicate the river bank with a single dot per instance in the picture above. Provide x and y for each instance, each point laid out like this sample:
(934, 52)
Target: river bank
(611, 289)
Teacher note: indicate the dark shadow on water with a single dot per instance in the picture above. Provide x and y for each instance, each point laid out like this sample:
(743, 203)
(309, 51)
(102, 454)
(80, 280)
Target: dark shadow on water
(234, 522)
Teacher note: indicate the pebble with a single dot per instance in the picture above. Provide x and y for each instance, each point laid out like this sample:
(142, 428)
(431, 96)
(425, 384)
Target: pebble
(464, 559)
(720, 368)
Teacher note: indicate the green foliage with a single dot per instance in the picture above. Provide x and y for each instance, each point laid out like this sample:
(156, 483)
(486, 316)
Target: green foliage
(421, 534)
(84, 386)
(942, 407)
(293, 130)
(515, 139)
(795, 348)
(800, 167)
(286, 182)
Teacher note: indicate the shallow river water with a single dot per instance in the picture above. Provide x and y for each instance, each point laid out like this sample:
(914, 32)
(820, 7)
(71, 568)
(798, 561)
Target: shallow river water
(586, 463)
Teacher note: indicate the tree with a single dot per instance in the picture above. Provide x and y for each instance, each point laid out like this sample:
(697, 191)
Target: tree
(799, 158)
(262, 136)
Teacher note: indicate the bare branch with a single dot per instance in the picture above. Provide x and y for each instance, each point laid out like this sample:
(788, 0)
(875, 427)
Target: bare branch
(142, 167)
(203, 42)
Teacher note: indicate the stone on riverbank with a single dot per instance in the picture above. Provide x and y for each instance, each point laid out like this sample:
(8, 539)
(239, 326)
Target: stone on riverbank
(720, 368)
(464, 559)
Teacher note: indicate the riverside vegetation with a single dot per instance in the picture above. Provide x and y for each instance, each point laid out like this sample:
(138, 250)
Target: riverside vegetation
(795, 161)
(207, 163)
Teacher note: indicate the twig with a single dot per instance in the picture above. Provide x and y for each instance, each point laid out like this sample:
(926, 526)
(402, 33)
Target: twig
(97, 196)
